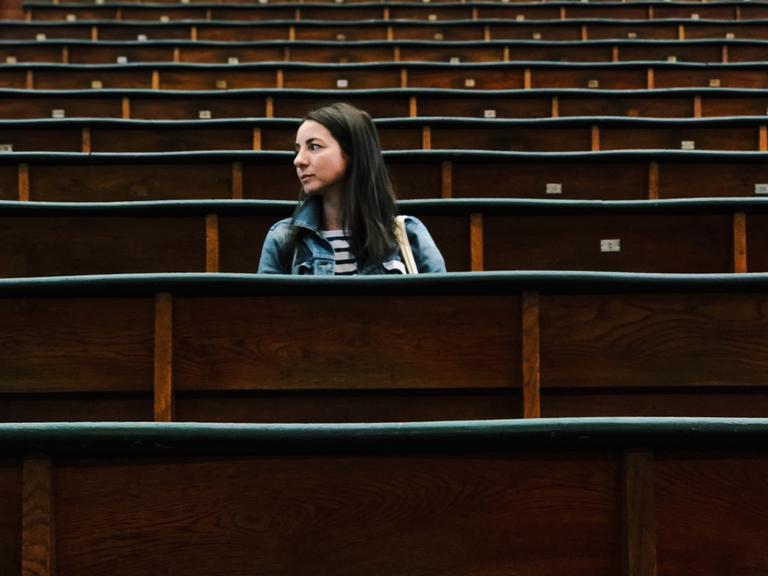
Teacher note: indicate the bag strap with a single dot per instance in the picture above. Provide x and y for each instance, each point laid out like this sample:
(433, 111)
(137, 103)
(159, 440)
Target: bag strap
(405, 246)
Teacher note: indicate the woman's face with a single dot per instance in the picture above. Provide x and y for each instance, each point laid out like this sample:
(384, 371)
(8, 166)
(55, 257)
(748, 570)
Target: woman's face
(320, 164)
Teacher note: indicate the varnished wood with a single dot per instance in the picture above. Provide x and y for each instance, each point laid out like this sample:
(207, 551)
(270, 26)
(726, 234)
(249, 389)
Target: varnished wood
(739, 242)
(237, 180)
(446, 180)
(38, 531)
(476, 242)
(653, 181)
(163, 358)
(126, 107)
(212, 247)
(640, 513)
(86, 138)
(531, 356)
(23, 182)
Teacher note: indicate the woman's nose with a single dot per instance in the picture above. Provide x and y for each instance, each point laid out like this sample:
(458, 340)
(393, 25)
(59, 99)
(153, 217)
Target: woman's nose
(300, 159)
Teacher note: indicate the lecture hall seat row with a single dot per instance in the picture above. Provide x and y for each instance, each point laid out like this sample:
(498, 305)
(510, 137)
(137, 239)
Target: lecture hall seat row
(595, 497)
(669, 236)
(604, 175)
(729, 10)
(480, 75)
(746, 133)
(455, 30)
(234, 348)
(124, 52)
(382, 103)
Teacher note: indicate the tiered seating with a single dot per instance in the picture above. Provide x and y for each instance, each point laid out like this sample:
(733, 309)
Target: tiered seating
(594, 174)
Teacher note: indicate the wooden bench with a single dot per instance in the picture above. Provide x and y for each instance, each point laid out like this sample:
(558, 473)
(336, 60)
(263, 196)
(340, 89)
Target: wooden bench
(723, 10)
(588, 498)
(108, 52)
(455, 30)
(701, 236)
(293, 103)
(225, 348)
(542, 135)
(477, 75)
(606, 175)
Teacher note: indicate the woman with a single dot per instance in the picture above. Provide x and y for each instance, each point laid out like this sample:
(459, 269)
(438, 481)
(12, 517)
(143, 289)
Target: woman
(345, 223)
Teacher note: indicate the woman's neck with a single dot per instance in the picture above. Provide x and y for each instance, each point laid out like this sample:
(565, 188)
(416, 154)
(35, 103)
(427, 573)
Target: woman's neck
(332, 211)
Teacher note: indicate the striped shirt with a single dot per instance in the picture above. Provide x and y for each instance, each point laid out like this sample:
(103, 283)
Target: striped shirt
(345, 263)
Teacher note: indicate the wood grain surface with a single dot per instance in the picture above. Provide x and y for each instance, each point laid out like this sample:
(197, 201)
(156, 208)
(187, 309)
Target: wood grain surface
(357, 515)
(10, 516)
(654, 340)
(402, 342)
(61, 246)
(76, 344)
(712, 514)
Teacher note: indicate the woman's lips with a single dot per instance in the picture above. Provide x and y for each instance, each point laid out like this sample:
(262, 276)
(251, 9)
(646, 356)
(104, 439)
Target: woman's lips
(305, 177)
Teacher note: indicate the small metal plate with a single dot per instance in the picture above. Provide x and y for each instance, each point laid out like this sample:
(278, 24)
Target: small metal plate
(671, 58)
(6, 147)
(610, 245)
(714, 82)
(221, 84)
(141, 37)
(536, 36)
(632, 35)
(204, 115)
(593, 84)
(233, 60)
(761, 188)
(432, 17)
(342, 83)
(39, 37)
(58, 113)
(71, 17)
(469, 83)
(554, 188)
(439, 36)
(165, 18)
(97, 84)
(10, 60)
(489, 113)
(520, 17)
(122, 59)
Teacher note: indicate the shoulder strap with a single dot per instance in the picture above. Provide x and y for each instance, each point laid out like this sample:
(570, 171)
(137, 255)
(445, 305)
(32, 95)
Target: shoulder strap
(405, 246)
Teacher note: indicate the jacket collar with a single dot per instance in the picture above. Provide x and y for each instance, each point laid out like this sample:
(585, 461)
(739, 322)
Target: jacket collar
(310, 213)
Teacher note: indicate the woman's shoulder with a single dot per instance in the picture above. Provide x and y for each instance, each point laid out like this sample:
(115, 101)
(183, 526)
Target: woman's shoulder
(281, 225)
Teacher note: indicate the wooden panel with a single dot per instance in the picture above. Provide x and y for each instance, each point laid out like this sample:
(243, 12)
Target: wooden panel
(335, 15)
(681, 52)
(76, 407)
(738, 106)
(221, 54)
(10, 517)
(99, 54)
(517, 138)
(355, 79)
(207, 79)
(37, 533)
(405, 138)
(428, 53)
(241, 239)
(716, 138)
(241, 33)
(60, 79)
(31, 138)
(609, 79)
(528, 31)
(49, 54)
(347, 406)
(413, 180)
(261, 343)
(104, 183)
(80, 32)
(189, 107)
(657, 31)
(127, 139)
(720, 30)
(377, 106)
(270, 182)
(163, 32)
(31, 106)
(438, 32)
(341, 33)
(724, 402)
(491, 79)
(648, 242)
(746, 53)
(475, 107)
(681, 78)
(341, 54)
(627, 106)
(76, 344)
(346, 515)
(711, 513)
(653, 341)
(451, 234)
(757, 242)
(529, 180)
(52, 246)
(682, 180)
(9, 183)
(13, 78)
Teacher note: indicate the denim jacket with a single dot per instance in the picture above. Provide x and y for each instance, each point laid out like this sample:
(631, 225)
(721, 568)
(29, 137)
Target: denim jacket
(314, 254)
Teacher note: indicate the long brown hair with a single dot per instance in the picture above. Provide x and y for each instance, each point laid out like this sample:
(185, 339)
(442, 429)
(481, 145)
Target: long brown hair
(369, 205)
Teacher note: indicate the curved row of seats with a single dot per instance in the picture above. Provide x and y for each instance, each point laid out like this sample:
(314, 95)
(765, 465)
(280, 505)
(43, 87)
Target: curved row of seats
(583, 133)
(382, 103)
(447, 30)
(231, 52)
(722, 10)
